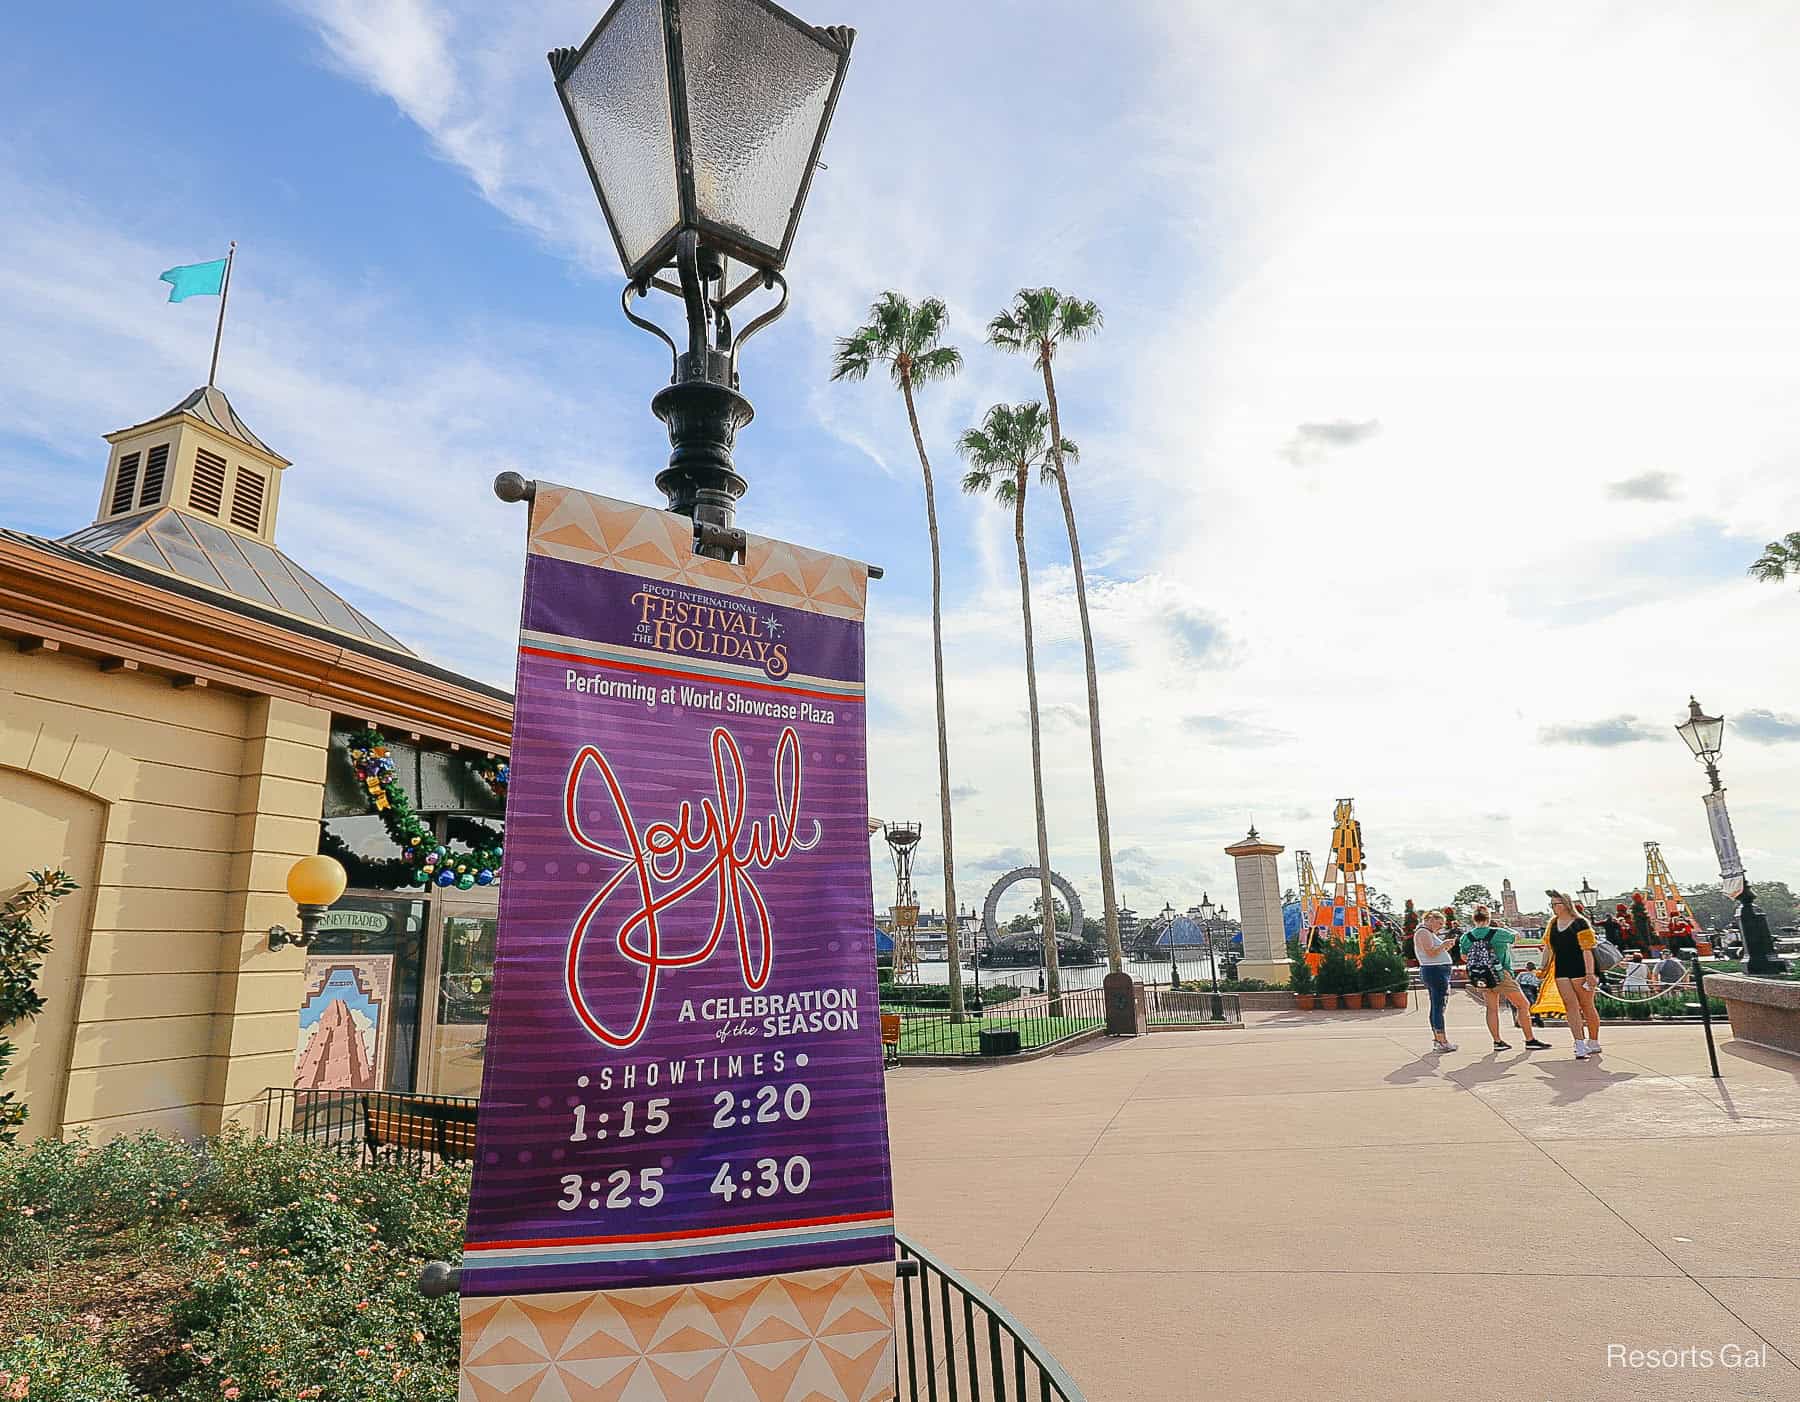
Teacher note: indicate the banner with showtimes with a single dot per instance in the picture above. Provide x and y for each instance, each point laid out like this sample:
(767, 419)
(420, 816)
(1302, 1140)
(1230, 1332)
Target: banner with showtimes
(682, 1185)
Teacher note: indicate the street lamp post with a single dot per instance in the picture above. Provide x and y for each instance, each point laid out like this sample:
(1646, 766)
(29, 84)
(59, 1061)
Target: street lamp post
(1169, 932)
(1588, 897)
(1705, 736)
(1207, 912)
(975, 946)
(700, 124)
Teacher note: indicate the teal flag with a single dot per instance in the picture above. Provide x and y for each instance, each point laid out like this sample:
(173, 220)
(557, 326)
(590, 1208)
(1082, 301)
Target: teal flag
(195, 280)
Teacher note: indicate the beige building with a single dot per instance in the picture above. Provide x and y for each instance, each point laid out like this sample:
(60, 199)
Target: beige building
(176, 695)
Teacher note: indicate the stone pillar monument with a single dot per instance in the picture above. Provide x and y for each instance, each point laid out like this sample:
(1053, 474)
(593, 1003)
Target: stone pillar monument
(1509, 904)
(1259, 906)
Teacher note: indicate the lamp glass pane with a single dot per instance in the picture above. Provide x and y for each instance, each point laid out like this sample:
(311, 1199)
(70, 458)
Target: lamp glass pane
(756, 93)
(619, 93)
(1712, 734)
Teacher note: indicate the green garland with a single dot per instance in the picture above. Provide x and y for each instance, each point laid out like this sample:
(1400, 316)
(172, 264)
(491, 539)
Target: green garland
(423, 859)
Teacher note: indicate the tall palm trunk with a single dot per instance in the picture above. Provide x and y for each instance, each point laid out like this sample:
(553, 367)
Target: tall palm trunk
(1115, 952)
(1053, 974)
(953, 949)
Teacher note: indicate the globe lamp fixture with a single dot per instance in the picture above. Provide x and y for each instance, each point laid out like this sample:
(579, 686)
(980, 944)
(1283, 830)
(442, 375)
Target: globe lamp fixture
(314, 884)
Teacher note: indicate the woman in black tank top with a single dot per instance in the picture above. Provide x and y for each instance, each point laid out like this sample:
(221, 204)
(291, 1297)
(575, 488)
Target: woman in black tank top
(1571, 941)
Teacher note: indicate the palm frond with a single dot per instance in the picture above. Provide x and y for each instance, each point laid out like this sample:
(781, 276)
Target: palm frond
(1006, 333)
(1078, 319)
(938, 363)
(1047, 473)
(854, 355)
(1779, 559)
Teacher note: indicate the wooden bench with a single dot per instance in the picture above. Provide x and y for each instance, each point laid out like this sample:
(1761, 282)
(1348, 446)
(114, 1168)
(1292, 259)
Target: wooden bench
(890, 1039)
(420, 1125)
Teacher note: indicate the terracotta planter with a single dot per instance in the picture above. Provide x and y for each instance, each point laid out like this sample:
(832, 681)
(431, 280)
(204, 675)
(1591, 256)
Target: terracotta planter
(1377, 1001)
(1328, 1001)
(1397, 999)
(1304, 1001)
(1353, 1000)
(1703, 948)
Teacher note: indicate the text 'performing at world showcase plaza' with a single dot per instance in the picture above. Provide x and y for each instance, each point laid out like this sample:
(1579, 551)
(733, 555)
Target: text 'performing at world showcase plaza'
(682, 1113)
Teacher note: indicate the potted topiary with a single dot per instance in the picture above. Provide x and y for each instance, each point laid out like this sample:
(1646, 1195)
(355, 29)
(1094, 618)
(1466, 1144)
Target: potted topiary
(1300, 978)
(1336, 977)
(1375, 975)
(1353, 995)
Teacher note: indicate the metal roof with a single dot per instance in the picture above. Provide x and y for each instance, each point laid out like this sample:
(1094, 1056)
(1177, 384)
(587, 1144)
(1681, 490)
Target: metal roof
(171, 541)
(395, 652)
(210, 406)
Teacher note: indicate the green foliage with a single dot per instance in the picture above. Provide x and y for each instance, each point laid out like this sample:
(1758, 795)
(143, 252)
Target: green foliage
(423, 859)
(24, 941)
(61, 1360)
(300, 1265)
(1337, 975)
(903, 336)
(1473, 894)
(1012, 442)
(938, 994)
(1383, 970)
(1300, 974)
(1039, 320)
(1714, 909)
(1779, 559)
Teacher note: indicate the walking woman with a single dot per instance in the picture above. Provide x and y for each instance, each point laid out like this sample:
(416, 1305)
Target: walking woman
(1432, 946)
(1570, 940)
(1487, 952)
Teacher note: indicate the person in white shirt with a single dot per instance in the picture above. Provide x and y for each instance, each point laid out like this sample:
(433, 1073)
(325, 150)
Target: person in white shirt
(1432, 946)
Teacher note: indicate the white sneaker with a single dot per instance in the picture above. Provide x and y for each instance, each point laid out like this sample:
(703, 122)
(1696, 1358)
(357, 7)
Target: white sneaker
(1443, 1046)
(1593, 1049)
(1581, 1050)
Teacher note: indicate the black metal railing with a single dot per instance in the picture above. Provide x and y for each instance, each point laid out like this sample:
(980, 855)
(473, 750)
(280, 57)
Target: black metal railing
(1189, 1006)
(954, 1343)
(376, 1126)
(1026, 1023)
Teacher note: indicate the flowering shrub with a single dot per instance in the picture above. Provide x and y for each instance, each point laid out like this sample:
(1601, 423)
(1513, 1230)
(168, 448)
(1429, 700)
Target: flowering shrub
(291, 1270)
(61, 1362)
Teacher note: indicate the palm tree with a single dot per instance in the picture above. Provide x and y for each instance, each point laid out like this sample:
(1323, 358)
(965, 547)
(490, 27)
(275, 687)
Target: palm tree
(1039, 320)
(905, 338)
(1779, 559)
(1013, 440)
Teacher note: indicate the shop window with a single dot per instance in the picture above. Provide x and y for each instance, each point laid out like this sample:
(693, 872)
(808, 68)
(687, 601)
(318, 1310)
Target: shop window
(370, 953)
(466, 986)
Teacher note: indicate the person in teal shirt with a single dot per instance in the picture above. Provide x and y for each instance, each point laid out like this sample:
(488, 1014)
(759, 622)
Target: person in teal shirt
(1486, 949)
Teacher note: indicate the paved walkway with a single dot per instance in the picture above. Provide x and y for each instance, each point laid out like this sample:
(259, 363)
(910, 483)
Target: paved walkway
(1309, 1208)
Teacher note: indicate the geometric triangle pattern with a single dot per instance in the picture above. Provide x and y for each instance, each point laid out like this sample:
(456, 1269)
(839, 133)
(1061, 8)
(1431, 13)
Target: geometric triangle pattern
(572, 525)
(808, 1336)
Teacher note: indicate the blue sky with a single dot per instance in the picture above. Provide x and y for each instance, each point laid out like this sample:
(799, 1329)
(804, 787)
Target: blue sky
(1447, 346)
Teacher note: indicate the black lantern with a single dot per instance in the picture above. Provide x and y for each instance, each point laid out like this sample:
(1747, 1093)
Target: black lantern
(1705, 736)
(700, 123)
(1588, 896)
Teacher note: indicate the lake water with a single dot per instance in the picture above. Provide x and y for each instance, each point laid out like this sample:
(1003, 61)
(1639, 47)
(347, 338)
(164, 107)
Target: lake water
(1193, 966)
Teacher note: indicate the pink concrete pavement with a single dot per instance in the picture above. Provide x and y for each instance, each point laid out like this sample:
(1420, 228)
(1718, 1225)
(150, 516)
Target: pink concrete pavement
(1315, 1207)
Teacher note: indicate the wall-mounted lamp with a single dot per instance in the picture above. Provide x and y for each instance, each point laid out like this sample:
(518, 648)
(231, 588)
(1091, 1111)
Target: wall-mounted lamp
(315, 883)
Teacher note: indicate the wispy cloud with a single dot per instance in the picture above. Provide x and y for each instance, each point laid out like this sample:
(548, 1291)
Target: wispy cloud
(1646, 486)
(1602, 734)
(1423, 858)
(1766, 726)
(1313, 441)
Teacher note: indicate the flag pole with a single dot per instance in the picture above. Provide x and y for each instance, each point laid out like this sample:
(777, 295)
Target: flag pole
(219, 331)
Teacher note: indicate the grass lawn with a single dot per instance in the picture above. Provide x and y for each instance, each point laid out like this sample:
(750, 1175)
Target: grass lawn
(938, 1036)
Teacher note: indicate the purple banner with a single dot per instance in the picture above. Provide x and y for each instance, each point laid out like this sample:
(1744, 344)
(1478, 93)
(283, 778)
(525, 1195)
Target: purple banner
(683, 1073)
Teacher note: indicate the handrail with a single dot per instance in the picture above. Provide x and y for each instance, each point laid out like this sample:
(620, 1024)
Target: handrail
(965, 1373)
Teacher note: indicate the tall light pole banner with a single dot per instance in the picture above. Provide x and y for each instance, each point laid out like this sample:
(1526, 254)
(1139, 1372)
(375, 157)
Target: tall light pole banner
(1731, 866)
(682, 1185)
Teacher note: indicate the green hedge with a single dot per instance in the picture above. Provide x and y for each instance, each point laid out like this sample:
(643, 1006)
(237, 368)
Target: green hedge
(237, 1271)
(938, 994)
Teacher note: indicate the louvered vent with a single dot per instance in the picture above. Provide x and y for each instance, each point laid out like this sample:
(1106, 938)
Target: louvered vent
(208, 492)
(156, 466)
(247, 501)
(125, 484)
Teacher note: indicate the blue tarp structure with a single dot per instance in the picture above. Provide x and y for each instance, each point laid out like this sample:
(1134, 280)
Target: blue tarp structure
(884, 942)
(1293, 920)
(1182, 931)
